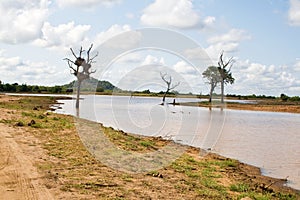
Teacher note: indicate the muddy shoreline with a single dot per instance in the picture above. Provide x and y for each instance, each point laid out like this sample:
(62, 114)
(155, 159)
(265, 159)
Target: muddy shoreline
(267, 106)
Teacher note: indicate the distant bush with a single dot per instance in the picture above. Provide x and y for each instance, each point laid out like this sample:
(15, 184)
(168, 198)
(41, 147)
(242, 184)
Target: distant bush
(284, 97)
(24, 88)
(295, 98)
(100, 89)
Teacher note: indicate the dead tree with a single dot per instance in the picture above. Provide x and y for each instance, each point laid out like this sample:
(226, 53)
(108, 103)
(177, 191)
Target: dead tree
(225, 73)
(82, 69)
(168, 80)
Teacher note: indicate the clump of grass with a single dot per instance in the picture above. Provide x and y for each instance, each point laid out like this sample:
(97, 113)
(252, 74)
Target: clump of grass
(147, 144)
(239, 187)
(37, 125)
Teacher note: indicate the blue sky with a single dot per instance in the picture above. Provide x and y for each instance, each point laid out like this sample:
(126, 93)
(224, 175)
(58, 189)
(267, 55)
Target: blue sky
(261, 35)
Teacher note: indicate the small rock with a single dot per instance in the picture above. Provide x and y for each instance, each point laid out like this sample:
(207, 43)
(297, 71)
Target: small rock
(35, 108)
(31, 122)
(19, 124)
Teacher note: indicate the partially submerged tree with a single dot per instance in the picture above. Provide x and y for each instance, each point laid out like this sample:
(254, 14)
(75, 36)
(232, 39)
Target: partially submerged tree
(212, 75)
(82, 69)
(168, 80)
(225, 73)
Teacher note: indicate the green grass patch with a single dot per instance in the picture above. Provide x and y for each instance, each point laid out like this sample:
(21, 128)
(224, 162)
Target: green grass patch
(239, 187)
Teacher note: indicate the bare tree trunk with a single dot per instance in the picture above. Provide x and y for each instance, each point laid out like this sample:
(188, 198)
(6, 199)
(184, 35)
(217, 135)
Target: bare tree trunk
(78, 94)
(211, 92)
(222, 91)
(164, 97)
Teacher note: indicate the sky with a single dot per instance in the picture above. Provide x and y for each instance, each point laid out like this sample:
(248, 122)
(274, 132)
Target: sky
(139, 41)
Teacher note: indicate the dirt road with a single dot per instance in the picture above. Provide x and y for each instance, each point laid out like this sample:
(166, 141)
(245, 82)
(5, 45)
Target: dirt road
(19, 178)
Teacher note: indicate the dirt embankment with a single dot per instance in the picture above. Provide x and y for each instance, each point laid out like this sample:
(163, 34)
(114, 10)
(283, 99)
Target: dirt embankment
(42, 157)
(269, 106)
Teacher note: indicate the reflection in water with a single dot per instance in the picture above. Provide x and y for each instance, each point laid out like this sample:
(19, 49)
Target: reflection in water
(265, 139)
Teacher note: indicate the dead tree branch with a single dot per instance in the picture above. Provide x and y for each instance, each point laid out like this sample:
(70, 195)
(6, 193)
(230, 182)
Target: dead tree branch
(83, 67)
(168, 81)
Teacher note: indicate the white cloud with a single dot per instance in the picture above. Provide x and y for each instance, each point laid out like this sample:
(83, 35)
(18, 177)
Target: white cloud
(21, 21)
(256, 69)
(118, 37)
(152, 60)
(229, 42)
(62, 36)
(295, 89)
(209, 21)
(86, 3)
(170, 13)
(297, 66)
(195, 53)
(294, 13)
(184, 68)
(261, 79)
(7, 63)
(234, 35)
(111, 32)
(26, 71)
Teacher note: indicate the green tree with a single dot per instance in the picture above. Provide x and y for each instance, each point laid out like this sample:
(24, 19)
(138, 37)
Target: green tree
(212, 75)
(225, 73)
(284, 97)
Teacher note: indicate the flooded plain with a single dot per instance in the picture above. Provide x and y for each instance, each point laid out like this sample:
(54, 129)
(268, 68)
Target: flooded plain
(269, 140)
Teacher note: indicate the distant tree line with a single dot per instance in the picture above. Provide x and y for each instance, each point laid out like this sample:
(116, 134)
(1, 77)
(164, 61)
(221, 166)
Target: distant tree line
(252, 96)
(88, 86)
(24, 88)
(282, 97)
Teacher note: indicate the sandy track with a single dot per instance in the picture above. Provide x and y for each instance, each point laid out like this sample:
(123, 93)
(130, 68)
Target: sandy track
(19, 178)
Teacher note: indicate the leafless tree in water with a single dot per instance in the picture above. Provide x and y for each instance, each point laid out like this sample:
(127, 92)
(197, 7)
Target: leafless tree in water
(82, 69)
(168, 80)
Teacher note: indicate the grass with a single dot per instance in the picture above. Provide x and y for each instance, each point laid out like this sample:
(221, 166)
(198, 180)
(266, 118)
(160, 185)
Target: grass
(239, 187)
(71, 168)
